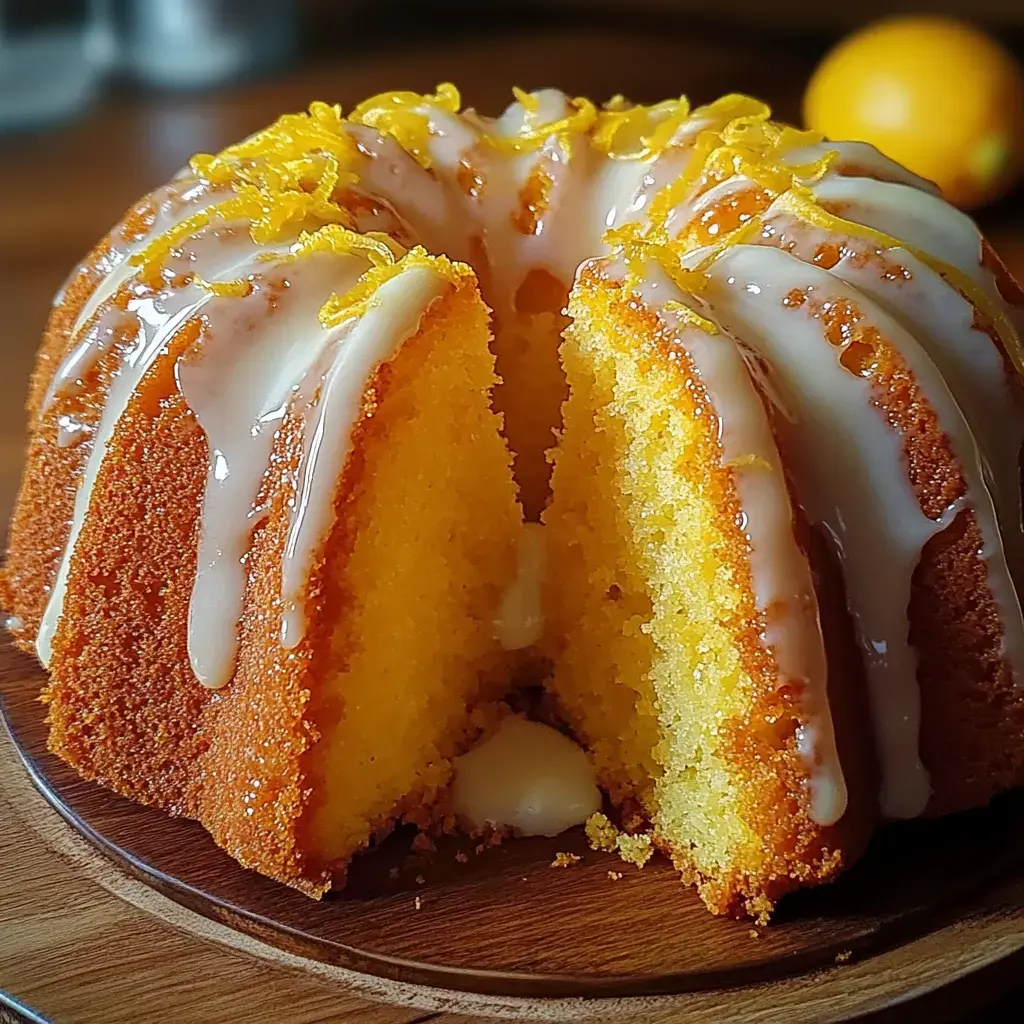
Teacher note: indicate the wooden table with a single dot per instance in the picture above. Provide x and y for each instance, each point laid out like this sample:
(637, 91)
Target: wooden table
(70, 945)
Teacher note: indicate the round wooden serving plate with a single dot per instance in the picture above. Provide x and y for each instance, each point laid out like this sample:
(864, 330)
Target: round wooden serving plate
(503, 923)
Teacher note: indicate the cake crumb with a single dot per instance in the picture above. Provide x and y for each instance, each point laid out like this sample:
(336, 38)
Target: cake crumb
(480, 849)
(461, 857)
(423, 843)
(601, 833)
(566, 860)
(844, 956)
(635, 849)
(615, 875)
(754, 933)
(418, 902)
(420, 880)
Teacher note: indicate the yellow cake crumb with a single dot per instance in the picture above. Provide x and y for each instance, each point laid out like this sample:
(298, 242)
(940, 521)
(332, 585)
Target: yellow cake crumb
(844, 956)
(418, 902)
(635, 849)
(615, 875)
(601, 833)
(566, 860)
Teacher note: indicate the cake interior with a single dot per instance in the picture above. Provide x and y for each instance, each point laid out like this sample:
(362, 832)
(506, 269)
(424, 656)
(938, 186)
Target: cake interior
(418, 580)
(648, 591)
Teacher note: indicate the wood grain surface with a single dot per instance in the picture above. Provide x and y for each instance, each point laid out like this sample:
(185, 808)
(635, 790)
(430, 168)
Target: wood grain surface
(82, 940)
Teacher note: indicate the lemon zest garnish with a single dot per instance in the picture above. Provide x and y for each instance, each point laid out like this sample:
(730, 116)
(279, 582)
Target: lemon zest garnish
(282, 177)
(748, 461)
(731, 107)
(639, 133)
(238, 289)
(405, 117)
(535, 132)
(735, 140)
(616, 103)
(363, 294)
(690, 316)
(529, 102)
(355, 302)
(380, 249)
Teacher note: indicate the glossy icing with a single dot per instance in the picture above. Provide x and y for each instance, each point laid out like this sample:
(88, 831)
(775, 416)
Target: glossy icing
(520, 619)
(527, 777)
(149, 322)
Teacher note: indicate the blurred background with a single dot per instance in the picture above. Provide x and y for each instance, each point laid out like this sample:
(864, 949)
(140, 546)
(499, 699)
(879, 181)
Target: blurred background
(102, 100)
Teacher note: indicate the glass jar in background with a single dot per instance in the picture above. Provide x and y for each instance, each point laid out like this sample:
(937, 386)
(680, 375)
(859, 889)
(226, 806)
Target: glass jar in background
(193, 44)
(55, 56)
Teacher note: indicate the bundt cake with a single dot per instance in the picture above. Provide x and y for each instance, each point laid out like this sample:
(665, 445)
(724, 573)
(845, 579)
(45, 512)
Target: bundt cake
(289, 512)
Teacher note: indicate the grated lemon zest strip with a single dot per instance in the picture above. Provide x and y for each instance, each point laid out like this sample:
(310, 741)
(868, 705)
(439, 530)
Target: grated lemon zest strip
(361, 296)
(405, 116)
(691, 317)
(534, 132)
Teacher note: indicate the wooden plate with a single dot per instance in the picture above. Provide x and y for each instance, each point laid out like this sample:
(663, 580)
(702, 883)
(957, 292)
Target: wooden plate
(503, 922)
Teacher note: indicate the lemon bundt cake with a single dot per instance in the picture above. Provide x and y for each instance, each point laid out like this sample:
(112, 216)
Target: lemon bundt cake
(268, 542)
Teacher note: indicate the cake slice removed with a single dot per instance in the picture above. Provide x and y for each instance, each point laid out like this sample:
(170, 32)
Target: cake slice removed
(688, 644)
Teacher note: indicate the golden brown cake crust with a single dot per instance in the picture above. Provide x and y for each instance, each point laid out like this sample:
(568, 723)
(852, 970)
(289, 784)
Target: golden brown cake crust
(124, 707)
(251, 791)
(972, 715)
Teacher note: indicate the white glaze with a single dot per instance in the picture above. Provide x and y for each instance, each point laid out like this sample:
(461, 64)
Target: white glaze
(172, 203)
(849, 470)
(527, 777)
(855, 158)
(973, 379)
(239, 384)
(520, 619)
(361, 345)
(918, 219)
(156, 318)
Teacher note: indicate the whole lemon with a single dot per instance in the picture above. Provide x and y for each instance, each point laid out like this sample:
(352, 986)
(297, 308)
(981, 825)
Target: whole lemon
(934, 94)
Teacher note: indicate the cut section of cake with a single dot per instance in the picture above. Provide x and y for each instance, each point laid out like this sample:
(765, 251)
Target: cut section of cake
(683, 620)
